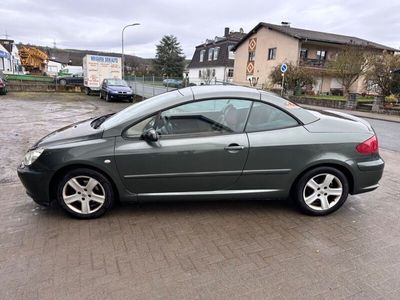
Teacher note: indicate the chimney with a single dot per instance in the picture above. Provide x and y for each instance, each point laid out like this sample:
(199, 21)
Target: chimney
(226, 33)
(285, 24)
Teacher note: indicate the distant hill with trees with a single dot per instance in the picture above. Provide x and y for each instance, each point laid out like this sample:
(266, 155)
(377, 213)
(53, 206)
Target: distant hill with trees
(74, 57)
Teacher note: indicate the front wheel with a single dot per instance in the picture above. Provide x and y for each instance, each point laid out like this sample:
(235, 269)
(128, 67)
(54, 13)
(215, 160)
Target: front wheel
(85, 193)
(108, 98)
(321, 191)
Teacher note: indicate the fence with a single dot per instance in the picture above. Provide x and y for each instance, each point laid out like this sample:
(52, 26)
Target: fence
(149, 86)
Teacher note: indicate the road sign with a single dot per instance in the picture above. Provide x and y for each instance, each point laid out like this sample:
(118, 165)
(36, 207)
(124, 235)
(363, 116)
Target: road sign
(284, 68)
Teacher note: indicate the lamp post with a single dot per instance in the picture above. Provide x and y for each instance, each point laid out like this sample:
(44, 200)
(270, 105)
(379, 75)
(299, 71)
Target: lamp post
(122, 57)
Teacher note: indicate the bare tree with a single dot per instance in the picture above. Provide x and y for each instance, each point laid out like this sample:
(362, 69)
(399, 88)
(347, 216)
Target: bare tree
(350, 63)
(380, 73)
(207, 76)
(296, 77)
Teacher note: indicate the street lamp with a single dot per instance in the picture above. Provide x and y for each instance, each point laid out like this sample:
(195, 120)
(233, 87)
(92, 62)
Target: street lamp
(122, 57)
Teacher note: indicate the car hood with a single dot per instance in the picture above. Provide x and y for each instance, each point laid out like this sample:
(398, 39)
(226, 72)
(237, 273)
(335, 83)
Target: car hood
(338, 122)
(120, 89)
(76, 132)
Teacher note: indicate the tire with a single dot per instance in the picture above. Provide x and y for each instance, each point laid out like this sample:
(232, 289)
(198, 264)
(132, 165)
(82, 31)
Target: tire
(107, 97)
(90, 194)
(63, 82)
(321, 191)
(87, 91)
(100, 95)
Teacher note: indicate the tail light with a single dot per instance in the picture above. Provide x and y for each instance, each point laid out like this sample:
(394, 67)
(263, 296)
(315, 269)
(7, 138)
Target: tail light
(369, 146)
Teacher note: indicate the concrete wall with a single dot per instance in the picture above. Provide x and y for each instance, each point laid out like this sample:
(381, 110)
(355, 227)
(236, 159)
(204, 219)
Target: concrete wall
(219, 74)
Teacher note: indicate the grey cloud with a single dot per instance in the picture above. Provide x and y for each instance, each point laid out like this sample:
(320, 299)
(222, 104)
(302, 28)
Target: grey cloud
(97, 24)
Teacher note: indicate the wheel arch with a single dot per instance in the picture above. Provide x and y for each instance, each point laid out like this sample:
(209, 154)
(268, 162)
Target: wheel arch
(63, 170)
(340, 166)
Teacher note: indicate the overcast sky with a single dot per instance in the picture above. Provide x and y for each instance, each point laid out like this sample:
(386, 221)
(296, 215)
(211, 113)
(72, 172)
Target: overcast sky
(97, 24)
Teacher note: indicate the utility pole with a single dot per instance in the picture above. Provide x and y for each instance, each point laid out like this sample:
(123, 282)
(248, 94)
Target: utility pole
(122, 56)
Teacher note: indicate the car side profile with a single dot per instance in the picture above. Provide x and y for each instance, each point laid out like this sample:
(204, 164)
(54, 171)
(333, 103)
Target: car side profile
(74, 79)
(115, 89)
(205, 142)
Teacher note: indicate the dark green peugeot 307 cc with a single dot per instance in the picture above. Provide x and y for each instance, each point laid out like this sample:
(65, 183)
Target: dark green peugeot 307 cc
(208, 142)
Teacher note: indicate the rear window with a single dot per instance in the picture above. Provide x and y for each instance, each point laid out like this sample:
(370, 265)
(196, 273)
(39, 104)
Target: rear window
(266, 117)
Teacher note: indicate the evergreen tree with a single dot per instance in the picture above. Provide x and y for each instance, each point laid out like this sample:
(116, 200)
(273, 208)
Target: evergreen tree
(169, 60)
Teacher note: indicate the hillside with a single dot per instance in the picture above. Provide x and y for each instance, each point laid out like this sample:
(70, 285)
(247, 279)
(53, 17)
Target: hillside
(75, 56)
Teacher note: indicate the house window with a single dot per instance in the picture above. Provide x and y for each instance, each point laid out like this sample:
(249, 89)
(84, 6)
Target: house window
(202, 55)
(216, 51)
(231, 54)
(199, 73)
(230, 73)
(210, 53)
(303, 54)
(252, 56)
(321, 54)
(271, 53)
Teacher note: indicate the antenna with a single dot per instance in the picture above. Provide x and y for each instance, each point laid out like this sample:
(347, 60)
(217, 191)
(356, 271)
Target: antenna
(6, 35)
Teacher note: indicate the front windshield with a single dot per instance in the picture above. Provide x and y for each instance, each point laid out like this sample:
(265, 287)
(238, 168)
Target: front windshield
(137, 110)
(117, 82)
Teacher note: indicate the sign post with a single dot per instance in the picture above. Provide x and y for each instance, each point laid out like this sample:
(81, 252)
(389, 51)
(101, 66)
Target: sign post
(284, 68)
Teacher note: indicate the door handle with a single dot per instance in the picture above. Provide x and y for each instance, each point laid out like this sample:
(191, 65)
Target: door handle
(234, 147)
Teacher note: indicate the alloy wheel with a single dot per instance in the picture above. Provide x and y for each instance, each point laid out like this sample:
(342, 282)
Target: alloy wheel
(322, 192)
(83, 194)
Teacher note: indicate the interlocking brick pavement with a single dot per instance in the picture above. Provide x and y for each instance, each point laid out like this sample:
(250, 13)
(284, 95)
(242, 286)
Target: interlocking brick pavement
(194, 250)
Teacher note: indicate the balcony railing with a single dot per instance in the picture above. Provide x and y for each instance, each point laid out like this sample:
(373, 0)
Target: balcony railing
(315, 63)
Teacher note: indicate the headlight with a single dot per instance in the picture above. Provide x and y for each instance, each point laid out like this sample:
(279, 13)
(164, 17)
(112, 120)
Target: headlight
(31, 156)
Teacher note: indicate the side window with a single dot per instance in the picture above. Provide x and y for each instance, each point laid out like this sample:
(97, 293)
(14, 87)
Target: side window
(208, 117)
(137, 129)
(266, 117)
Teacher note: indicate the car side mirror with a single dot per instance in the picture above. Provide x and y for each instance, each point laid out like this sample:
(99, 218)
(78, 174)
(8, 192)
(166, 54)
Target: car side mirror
(150, 135)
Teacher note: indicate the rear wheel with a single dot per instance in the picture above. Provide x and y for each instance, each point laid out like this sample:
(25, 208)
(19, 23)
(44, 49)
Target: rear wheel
(321, 191)
(85, 193)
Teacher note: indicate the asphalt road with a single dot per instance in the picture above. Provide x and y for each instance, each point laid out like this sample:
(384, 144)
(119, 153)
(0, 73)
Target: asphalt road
(388, 134)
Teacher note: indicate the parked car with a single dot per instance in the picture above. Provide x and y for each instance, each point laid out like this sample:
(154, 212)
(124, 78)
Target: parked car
(205, 142)
(174, 83)
(3, 86)
(74, 79)
(115, 89)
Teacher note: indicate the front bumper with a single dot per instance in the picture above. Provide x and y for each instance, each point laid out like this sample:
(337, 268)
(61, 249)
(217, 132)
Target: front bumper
(115, 95)
(368, 175)
(36, 183)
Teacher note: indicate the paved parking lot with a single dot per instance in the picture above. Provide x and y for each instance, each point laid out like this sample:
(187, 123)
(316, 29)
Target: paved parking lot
(207, 250)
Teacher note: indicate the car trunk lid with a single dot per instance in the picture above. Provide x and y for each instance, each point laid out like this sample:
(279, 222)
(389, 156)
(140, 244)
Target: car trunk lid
(335, 121)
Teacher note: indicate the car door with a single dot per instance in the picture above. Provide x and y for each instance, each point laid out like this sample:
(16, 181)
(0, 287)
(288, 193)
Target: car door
(201, 148)
(278, 148)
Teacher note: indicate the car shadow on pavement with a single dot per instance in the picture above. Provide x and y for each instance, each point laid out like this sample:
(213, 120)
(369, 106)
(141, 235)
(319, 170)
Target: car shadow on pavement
(222, 206)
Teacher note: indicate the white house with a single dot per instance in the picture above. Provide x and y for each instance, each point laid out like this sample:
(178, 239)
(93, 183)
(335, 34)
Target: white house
(5, 62)
(11, 63)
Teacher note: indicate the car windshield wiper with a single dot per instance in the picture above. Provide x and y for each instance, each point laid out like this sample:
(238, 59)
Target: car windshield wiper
(98, 121)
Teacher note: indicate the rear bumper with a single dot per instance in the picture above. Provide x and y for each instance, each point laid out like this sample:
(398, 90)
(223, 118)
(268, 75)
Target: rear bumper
(36, 184)
(368, 175)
